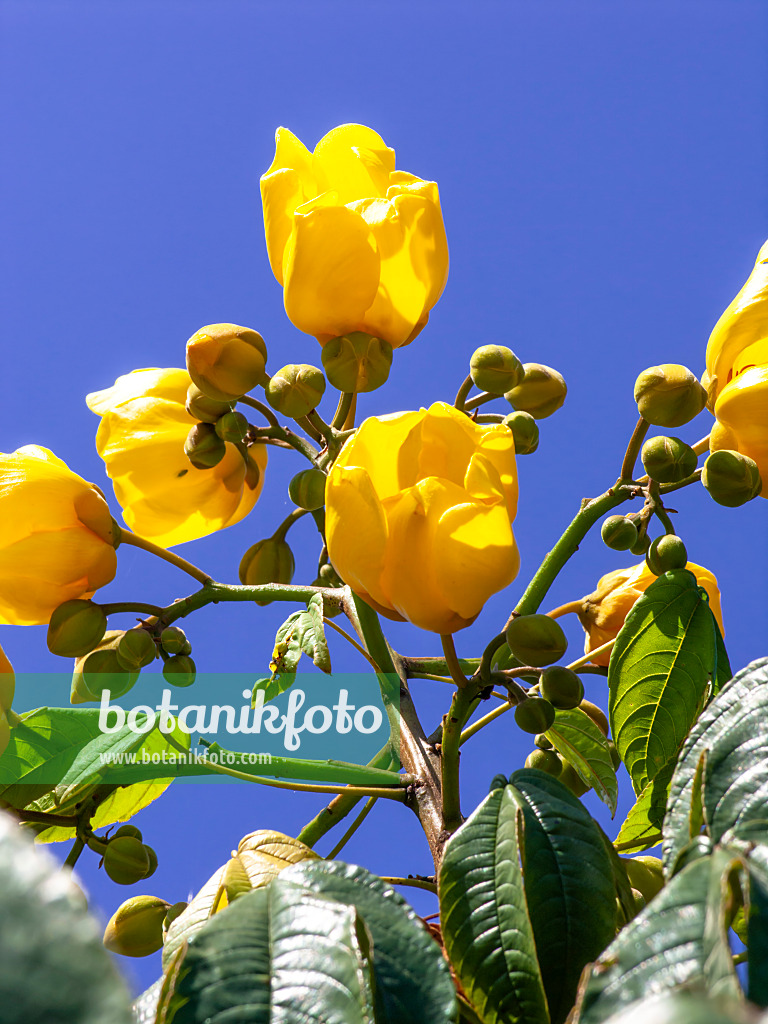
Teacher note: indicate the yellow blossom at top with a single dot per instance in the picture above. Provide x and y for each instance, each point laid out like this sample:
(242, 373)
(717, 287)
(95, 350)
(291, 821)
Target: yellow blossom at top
(418, 514)
(141, 439)
(356, 244)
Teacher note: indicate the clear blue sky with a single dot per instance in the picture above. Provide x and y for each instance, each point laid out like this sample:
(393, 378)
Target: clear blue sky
(602, 169)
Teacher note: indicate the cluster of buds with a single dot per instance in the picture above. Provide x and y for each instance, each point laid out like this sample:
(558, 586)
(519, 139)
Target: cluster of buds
(126, 858)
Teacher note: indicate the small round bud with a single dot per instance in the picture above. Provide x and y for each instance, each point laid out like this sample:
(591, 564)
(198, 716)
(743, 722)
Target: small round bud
(495, 369)
(101, 670)
(596, 714)
(668, 459)
(174, 641)
(179, 670)
(524, 430)
(267, 561)
(542, 741)
(639, 900)
(295, 390)
(541, 392)
(546, 761)
(641, 545)
(645, 874)
(76, 627)
(203, 408)
(232, 426)
(732, 479)
(571, 778)
(128, 830)
(307, 489)
(136, 649)
(328, 577)
(534, 714)
(126, 860)
(226, 361)
(136, 927)
(669, 395)
(203, 446)
(152, 861)
(619, 533)
(665, 553)
(357, 362)
(175, 911)
(561, 687)
(536, 640)
(615, 756)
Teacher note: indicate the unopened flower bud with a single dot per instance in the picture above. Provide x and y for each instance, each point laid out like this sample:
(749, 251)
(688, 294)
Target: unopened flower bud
(666, 553)
(152, 861)
(101, 670)
(174, 641)
(295, 389)
(524, 430)
(536, 640)
(226, 361)
(669, 395)
(541, 392)
(175, 911)
(496, 369)
(76, 627)
(179, 670)
(328, 577)
(307, 489)
(357, 362)
(126, 860)
(136, 649)
(618, 533)
(136, 927)
(203, 408)
(731, 478)
(203, 446)
(542, 741)
(267, 561)
(561, 687)
(668, 459)
(232, 426)
(128, 830)
(534, 714)
(641, 545)
(545, 761)
(571, 778)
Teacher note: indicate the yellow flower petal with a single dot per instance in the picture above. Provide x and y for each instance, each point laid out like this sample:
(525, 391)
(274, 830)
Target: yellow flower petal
(399, 434)
(288, 183)
(742, 409)
(354, 161)
(357, 539)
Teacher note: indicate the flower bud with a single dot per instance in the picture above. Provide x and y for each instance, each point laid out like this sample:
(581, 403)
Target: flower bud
(101, 670)
(496, 369)
(179, 670)
(226, 361)
(571, 778)
(232, 426)
(534, 714)
(295, 389)
(128, 830)
(203, 408)
(524, 430)
(615, 755)
(645, 874)
(126, 860)
(542, 741)
(174, 641)
(561, 687)
(152, 861)
(136, 649)
(669, 395)
(357, 362)
(668, 459)
(666, 553)
(545, 761)
(175, 911)
(203, 446)
(536, 640)
(541, 392)
(596, 714)
(76, 627)
(136, 927)
(732, 479)
(641, 545)
(328, 577)
(618, 533)
(307, 489)
(267, 561)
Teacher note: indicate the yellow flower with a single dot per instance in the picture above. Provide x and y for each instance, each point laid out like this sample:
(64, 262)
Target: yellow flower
(141, 439)
(357, 245)
(55, 536)
(603, 613)
(418, 513)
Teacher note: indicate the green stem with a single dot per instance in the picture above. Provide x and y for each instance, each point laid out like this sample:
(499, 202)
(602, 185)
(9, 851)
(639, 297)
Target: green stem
(461, 394)
(478, 400)
(351, 640)
(126, 537)
(566, 609)
(485, 720)
(310, 428)
(460, 710)
(483, 670)
(359, 819)
(415, 883)
(692, 479)
(284, 434)
(265, 411)
(395, 792)
(215, 593)
(114, 607)
(324, 429)
(342, 409)
(77, 848)
(452, 660)
(489, 417)
(437, 666)
(288, 522)
(633, 449)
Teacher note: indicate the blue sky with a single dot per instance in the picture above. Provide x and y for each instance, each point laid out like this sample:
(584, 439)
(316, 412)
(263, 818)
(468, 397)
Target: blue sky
(602, 169)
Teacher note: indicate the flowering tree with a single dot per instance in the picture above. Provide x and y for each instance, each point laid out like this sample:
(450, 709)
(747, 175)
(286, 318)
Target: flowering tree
(542, 916)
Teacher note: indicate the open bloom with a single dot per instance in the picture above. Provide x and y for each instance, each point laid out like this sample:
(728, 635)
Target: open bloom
(418, 514)
(141, 439)
(356, 244)
(55, 536)
(603, 613)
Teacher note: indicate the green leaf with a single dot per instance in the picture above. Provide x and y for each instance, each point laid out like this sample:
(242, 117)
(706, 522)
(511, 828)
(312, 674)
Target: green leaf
(569, 886)
(642, 826)
(660, 674)
(145, 1005)
(723, 671)
(271, 686)
(313, 639)
(412, 982)
(582, 744)
(302, 632)
(483, 914)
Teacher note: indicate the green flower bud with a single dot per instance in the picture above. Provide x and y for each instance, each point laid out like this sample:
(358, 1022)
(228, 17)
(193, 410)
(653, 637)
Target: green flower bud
(524, 430)
(536, 640)
(542, 741)
(267, 561)
(101, 670)
(496, 369)
(618, 533)
(203, 408)
(328, 577)
(645, 874)
(732, 479)
(615, 756)
(307, 489)
(232, 426)
(669, 395)
(641, 545)
(561, 687)
(152, 861)
(295, 390)
(136, 927)
(128, 830)
(665, 553)
(545, 761)
(126, 860)
(668, 459)
(76, 627)
(203, 446)
(571, 778)
(179, 670)
(174, 641)
(136, 649)
(357, 362)
(534, 714)
(596, 714)
(226, 361)
(541, 392)
(175, 911)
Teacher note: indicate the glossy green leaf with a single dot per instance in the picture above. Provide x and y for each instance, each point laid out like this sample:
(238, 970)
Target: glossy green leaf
(313, 636)
(660, 674)
(486, 928)
(685, 1007)
(303, 632)
(750, 841)
(642, 826)
(582, 744)
(271, 686)
(723, 671)
(145, 1005)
